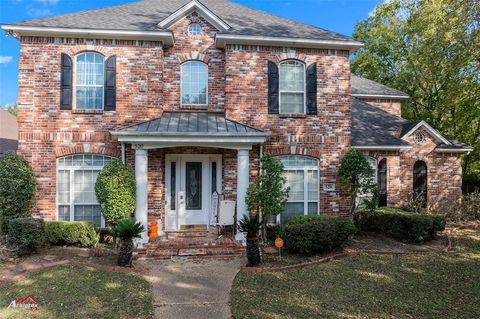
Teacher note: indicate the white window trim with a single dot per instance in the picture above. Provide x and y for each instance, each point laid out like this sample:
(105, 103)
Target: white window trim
(181, 84)
(74, 84)
(304, 88)
(71, 170)
(305, 170)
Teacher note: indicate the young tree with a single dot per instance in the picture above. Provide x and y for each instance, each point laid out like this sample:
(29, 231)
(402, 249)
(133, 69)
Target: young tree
(429, 50)
(115, 190)
(356, 173)
(17, 189)
(267, 195)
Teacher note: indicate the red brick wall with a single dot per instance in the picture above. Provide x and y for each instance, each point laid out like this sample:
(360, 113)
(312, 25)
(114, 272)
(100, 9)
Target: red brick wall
(444, 172)
(325, 136)
(393, 106)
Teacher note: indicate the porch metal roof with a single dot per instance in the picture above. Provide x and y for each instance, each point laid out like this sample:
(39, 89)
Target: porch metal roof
(191, 123)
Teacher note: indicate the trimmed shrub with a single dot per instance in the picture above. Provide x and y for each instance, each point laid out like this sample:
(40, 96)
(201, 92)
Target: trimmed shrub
(317, 236)
(81, 233)
(400, 225)
(17, 189)
(301, 219)
(26, 235)
(115, 190)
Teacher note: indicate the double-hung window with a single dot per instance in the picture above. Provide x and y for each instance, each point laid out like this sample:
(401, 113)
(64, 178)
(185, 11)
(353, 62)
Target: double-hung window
(194, 83)
(301, 173)
(292, 87)
(89, 81)
(76, 177)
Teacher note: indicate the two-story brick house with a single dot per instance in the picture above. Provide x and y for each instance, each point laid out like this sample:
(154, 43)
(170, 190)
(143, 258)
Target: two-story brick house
(190, 94)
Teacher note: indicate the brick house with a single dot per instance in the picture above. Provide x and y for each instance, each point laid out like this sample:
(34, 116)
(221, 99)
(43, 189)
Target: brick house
(190, 94)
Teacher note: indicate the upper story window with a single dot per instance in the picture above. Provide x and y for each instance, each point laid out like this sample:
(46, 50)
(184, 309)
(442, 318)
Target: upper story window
(194, 29)
(292, 87)
(194, 83)
(89, 81)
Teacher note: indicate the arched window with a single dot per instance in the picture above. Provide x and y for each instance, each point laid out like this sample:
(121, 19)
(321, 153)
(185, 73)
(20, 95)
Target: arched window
(382, 182)
(420, 181)
(89, 81)
(302, 178)
(194, 83)
(292, 87)
(76, 177)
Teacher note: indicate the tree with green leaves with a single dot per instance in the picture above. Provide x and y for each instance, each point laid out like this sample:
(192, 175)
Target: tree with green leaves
(115, 190)
(356, 173)
(429, 49)
(267, 195)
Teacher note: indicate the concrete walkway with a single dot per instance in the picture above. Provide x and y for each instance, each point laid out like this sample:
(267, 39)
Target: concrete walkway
(192, 288)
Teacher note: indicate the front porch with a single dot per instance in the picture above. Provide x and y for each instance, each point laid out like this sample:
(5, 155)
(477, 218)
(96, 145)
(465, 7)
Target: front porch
(195, 154)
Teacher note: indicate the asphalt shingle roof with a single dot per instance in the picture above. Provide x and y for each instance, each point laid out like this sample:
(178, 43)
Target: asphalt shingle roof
(372, 126)
(145, 15)
(192, 123)
(363, 86)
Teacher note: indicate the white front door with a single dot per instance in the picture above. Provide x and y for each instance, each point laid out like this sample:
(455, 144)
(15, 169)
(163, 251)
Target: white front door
(188, 186)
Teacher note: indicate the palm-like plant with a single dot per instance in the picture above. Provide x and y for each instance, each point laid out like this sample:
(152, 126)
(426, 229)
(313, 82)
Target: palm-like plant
(127, 230)
(251, 225)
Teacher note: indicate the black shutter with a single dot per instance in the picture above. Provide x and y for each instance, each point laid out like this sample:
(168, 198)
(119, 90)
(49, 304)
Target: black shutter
(312, 89)
(110, 83)
(273, 88)
(66, 78)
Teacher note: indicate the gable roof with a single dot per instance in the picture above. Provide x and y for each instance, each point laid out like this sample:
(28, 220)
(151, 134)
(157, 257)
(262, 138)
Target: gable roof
(362, 87)
(145, 16)
(376, 129)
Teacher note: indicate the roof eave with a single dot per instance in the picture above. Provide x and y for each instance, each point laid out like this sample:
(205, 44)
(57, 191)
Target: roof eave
(454, 150)
(382, 96)
(221, 41)
(427, 126)
(383, 147)
(166, 37)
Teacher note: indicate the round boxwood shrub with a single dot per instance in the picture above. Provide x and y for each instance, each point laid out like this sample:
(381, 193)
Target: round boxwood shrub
(26, 235)
(115, 190)
(81, 233)
(317, 236)
(17, 189)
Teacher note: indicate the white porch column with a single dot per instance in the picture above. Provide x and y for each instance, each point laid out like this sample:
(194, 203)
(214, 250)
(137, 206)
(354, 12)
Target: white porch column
(141, 179)
(243, 176)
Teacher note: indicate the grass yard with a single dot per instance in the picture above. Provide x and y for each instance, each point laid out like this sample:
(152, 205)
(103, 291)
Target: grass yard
(79, 292)
(370, 286)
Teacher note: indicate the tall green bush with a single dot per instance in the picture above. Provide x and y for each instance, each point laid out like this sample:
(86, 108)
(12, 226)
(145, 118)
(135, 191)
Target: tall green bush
(26, 235)
(115, 190)
(17, 189)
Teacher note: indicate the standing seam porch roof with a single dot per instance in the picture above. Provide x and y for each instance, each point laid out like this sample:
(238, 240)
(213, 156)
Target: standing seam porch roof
(191, 123)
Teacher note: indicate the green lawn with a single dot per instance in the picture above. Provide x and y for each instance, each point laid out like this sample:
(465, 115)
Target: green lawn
(369, 286)
(78, 292)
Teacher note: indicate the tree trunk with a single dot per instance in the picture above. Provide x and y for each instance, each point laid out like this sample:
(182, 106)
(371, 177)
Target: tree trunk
(253, 252)
(125, 253)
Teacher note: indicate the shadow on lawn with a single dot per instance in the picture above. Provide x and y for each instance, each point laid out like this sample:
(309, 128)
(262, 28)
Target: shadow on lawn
(79, 292)
(369, 286)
